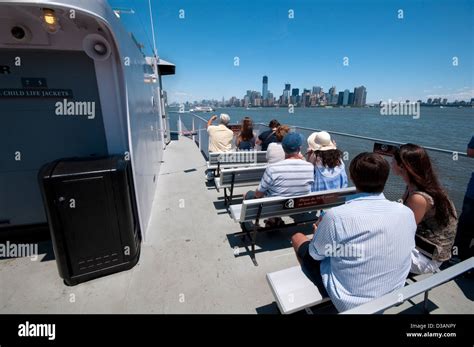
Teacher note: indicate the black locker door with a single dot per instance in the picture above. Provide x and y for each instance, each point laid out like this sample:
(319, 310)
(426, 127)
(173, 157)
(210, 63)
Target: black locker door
(89, 222)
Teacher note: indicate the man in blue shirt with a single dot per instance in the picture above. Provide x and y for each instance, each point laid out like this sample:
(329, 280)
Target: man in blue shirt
(360, 250)
(465, 234)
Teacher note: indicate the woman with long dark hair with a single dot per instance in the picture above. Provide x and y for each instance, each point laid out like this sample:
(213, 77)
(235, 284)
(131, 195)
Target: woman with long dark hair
(329, 169)
(434, 212)
(246, 138)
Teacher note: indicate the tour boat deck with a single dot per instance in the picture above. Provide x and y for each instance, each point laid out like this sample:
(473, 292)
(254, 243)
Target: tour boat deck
(188, 264)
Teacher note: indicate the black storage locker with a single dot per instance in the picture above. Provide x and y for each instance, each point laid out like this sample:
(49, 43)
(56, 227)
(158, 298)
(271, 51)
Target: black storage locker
(92, 215)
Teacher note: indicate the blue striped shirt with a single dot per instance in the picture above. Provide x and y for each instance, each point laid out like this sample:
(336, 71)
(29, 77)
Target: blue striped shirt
(365, 249)
(288, 177)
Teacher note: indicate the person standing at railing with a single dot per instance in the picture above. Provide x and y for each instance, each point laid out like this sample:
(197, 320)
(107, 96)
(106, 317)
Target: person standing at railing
(268, 136)
(434, 212)
(245, 141)
(220, 136)
(329, 169)
(465, 235)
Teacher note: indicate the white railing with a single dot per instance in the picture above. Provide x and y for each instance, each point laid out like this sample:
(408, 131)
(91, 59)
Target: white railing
(454, 168)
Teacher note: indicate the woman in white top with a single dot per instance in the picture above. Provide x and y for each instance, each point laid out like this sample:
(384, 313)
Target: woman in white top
(275, 152)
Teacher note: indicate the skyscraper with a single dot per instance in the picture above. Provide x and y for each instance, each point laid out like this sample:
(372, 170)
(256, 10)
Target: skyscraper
(340, 98)
(295, 97)
(360, 94)
(265, 87)
(351, 99)
(345, 99)
(286, 94)
(332, 97)
(317, 90)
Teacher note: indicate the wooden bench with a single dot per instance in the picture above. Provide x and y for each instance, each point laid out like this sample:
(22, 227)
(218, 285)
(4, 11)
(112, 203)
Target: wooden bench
(250, 212)
(293, 291)
(226, 160)
(238, 177)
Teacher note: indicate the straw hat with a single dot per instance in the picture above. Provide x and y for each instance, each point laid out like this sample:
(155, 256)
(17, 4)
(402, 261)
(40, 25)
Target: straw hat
(320, 141)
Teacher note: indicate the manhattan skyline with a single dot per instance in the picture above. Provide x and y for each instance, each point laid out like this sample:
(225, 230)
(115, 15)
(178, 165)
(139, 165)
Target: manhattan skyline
(222, 49)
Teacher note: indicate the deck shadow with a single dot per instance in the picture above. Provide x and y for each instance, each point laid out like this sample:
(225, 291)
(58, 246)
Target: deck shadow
(266, 241)
(466, 285)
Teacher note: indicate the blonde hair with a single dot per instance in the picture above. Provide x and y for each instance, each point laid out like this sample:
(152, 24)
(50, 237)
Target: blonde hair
(281, 131)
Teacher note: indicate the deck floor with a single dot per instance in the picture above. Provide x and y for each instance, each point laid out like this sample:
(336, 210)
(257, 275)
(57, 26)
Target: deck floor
(188, 263)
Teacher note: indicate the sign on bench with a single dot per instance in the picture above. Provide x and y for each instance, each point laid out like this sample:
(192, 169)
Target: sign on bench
(317, 200)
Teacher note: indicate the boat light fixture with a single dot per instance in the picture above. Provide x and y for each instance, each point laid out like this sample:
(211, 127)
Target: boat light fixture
(50, 20)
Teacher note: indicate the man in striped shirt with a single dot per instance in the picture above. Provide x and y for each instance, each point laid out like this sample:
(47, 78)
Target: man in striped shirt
(289, 177)
(361, 250)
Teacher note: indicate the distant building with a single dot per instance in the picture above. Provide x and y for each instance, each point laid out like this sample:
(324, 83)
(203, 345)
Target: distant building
(445, 101)
(306, 98)
(317, 90)
(360, 95)
(265, 87)
(345, 100)
(286, 94)
(340, 98)
(351, 99)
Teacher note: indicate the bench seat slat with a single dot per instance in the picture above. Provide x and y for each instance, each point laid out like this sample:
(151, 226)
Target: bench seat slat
(408, 292)
(293, 291)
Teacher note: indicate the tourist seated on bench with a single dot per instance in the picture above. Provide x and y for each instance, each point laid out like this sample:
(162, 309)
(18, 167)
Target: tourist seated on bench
(434, 212)
(275, 152)
(329, 169)
(289, 177)
(360, 250)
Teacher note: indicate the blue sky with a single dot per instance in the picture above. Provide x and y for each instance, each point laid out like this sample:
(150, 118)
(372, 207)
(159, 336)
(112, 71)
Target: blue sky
(396, 59)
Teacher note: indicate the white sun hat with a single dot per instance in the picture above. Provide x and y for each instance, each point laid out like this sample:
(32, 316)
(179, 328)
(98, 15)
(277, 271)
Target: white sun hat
(320, 141)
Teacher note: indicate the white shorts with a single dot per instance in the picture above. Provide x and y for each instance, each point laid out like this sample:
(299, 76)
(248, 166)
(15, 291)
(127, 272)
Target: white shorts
(420, 264)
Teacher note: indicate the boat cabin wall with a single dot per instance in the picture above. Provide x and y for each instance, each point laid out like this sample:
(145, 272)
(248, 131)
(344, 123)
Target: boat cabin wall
(66, 94)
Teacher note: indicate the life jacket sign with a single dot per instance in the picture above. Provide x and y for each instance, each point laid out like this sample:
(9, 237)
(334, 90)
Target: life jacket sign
(36, 93)
(317, 201)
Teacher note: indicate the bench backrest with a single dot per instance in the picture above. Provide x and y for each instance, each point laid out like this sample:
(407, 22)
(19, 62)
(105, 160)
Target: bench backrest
(237, 158)
(285, 206)
(242, 175)
(398, 296)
